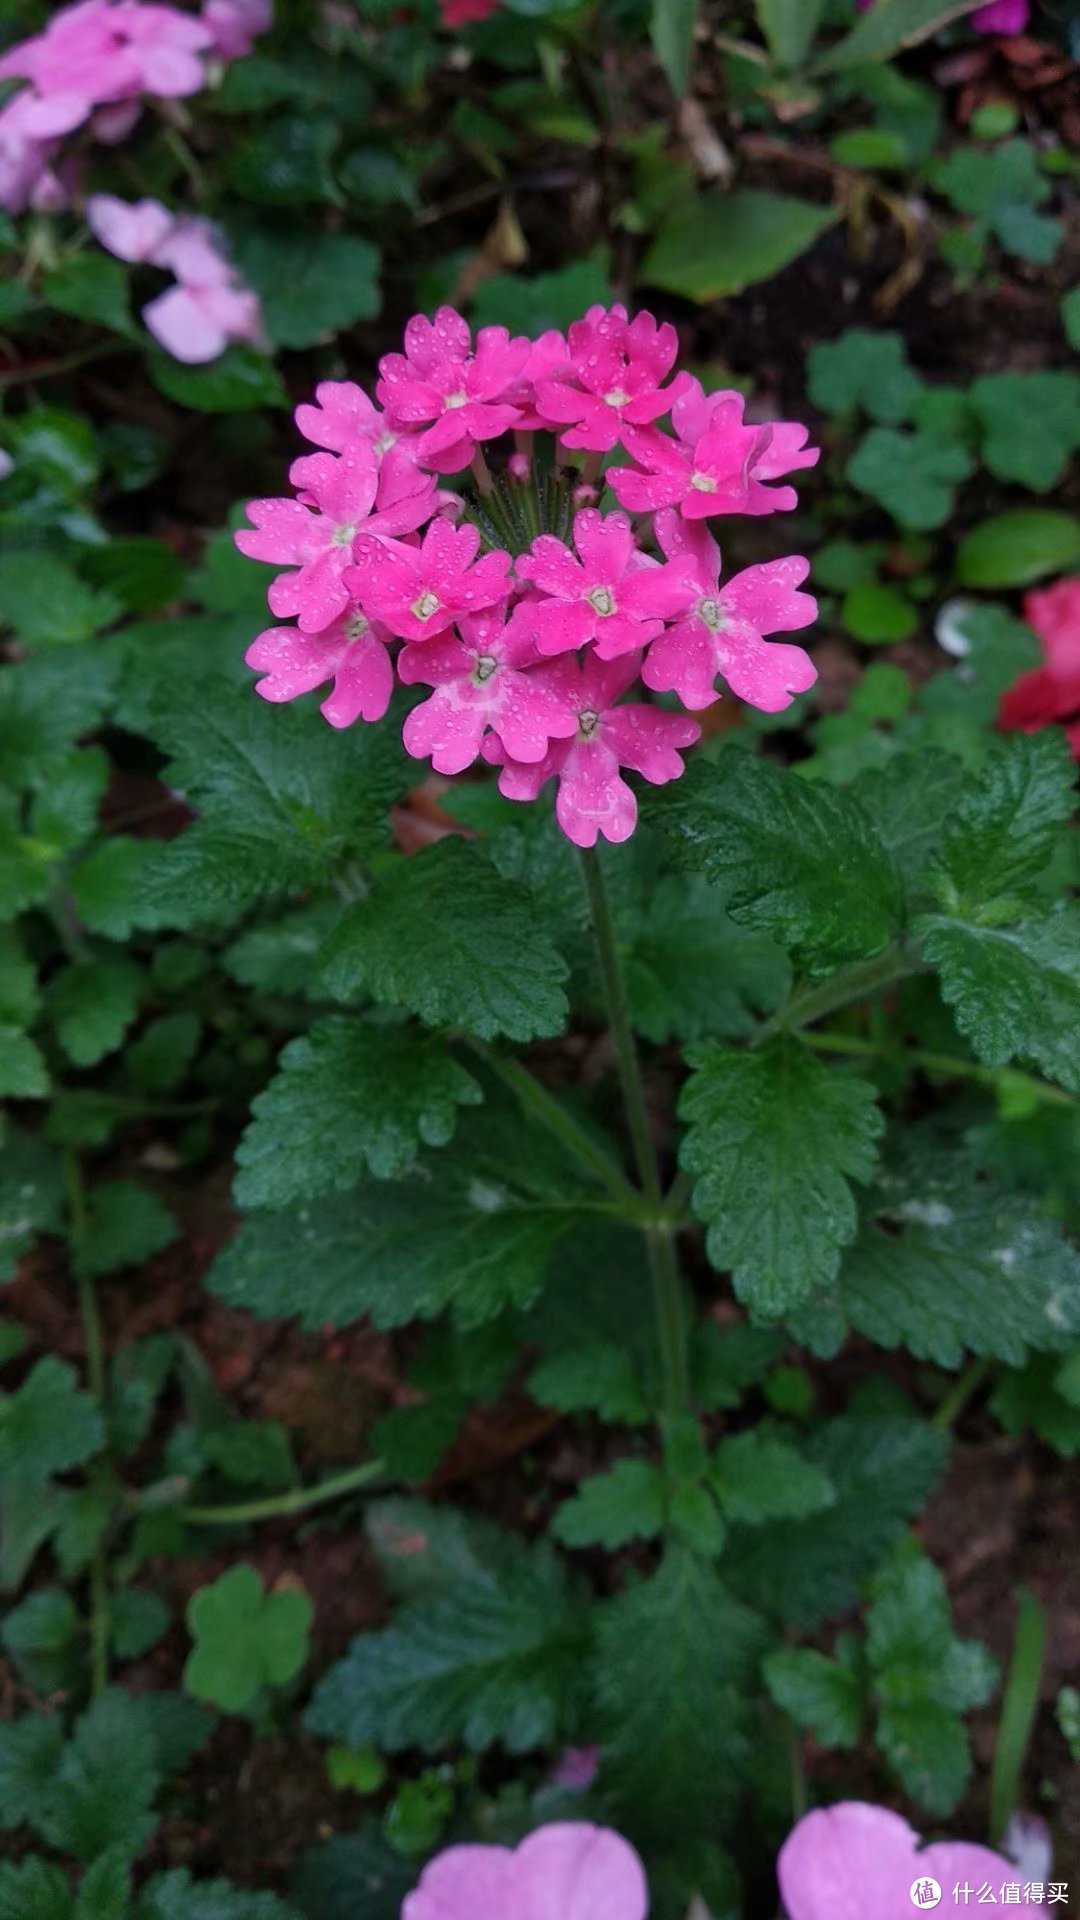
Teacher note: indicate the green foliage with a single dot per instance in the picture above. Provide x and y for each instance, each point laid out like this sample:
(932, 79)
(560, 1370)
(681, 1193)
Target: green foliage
(1031, 425)
(912, 475)
(1002, 187)
(613, 1508)
(712, 245)
(348, 1099)
(865, 371)
(310, 284)
(126, 1224)
(493, 969)
(774, 1137)
(824, 1696)
(49, 1425)
(1017, 548)
(245, 1639)
(487, 1656)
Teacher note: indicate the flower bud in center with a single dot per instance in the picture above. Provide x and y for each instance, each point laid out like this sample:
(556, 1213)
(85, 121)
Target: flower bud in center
(426, 605)
(601, 599)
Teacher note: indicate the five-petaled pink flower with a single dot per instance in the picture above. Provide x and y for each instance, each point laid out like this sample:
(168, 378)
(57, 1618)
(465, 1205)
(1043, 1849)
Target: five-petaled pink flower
(614, 378)
(417, 592)
(857, 1859)
(342, 414)
(592, 797)
(716, 464)
(351, 652)
(721, 629)
(481, 681)
(612, 594)
(441, 379)
(568, 1871)
(209, 305)
(315, 534)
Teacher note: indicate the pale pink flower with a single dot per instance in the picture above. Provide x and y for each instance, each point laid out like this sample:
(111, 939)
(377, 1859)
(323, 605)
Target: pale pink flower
(722, 628)
(576, 1768)
(857, 1859)
(482, 679)
(132, 230)
(316, 534)
(716, 464)
(440, 378)
(195, 324)
(568, 1871)
(592, 797)
(616, 375)
(351, 652)
(611, 594)
(236, 25)
(417, 592)
(108, 50)
(112, 124)
(30, 130)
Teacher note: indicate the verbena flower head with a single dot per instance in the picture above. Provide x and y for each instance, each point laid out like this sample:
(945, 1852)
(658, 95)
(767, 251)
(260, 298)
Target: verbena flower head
(568, 1871)
(1050, 693)
(858, 1859)
(530, 614)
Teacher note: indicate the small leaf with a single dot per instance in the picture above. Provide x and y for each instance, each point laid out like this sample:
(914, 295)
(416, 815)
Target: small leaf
(236, 382)
(90, 286)
(866, 370)
(757, 1477)
(1014, 991)
(672, 29)
(1031, 425)
(93, 1002)
(611, 1509)
(789, 27)
(311, 284)
(49, 1425)
(1016, 548)
(889, 27)
(820, 1695)
(245, 1639)
(126, 1223)
(911, 475)
(711, 245)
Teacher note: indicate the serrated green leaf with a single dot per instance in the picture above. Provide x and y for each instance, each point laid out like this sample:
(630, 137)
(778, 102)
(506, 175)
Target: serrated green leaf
(49, 605)
(774, 1137)
(927, 1749)
(19, 993)
(865, 369)
(348, 1099)
(93, 1003)
(176, 1896)
(907, 800)
(353, 1876)
(1031, 425)
(470, 1228)
(946, 1264)
(31, 1194)
(912, 475)
(281, 957)
(23, 1073)
(105, 1784)
(821, 1695)
(65, 812)
(42, 1637)
(802, 1571)
(126, 1223)
(311, 284)
(673, 1656)
(1029, 1400)
(91, 287)
(49, 1424)
(30, 1750)
(1014, 991)
(161, 1056)
(46, 703)
(107, 886)
(283, 799)
(34, 1890)
(239, 380)
(1001, 834)
(491, 968)
(791, 858)
(611, 1509)
(757, 1477)
(690, 971)
(245, 1639)
(601, 1377)
(492, 1656)
(727, 1361)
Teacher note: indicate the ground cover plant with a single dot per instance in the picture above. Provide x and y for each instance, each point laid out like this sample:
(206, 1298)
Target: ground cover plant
(539, 959)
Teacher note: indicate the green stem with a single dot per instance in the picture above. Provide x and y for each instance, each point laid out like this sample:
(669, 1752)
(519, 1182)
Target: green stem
(34, 370)
(95, 1372)
(861, 982)
(298, 1500)
(951, 1066)
(552, 1115)
(1018, 1709)
(956, 1400)
(663, 1264)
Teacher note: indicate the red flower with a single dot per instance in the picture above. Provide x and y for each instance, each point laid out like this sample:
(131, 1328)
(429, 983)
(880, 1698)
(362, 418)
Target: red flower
(1050, 693)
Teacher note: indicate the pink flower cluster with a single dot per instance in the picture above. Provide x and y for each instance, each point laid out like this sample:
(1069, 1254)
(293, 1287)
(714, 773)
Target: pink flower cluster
(208, 306)
(530, 655)
(94, 63)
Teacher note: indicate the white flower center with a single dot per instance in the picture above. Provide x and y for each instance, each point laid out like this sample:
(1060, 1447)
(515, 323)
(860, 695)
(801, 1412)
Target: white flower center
(588, 721)
(343, 536)
(425, 606)
(616, 398)
(385, 441)
(485, 666)
(704, 482)
(459, 399)
(712, 613)
(355, 627)
(601, 599)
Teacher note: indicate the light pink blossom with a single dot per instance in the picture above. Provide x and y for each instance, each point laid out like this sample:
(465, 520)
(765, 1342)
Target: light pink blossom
(236, 25)
(482, 679)
(132, 230)
(722, 628)
(350, 652)
(108, 50)
(568, 1871)
(592, 797)
(854, 1859)
(617, 368)
(30, 131)
(196, 324)
(342, 414)
(417, 592)
(441, 379)
(612, 594)
(717, 463)
(315, 534)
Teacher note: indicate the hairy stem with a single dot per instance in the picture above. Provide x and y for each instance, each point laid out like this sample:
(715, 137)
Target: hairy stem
(860, 982)
(663, 1264)
(553, 1116)
(952, 1066)
(297, 1500)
